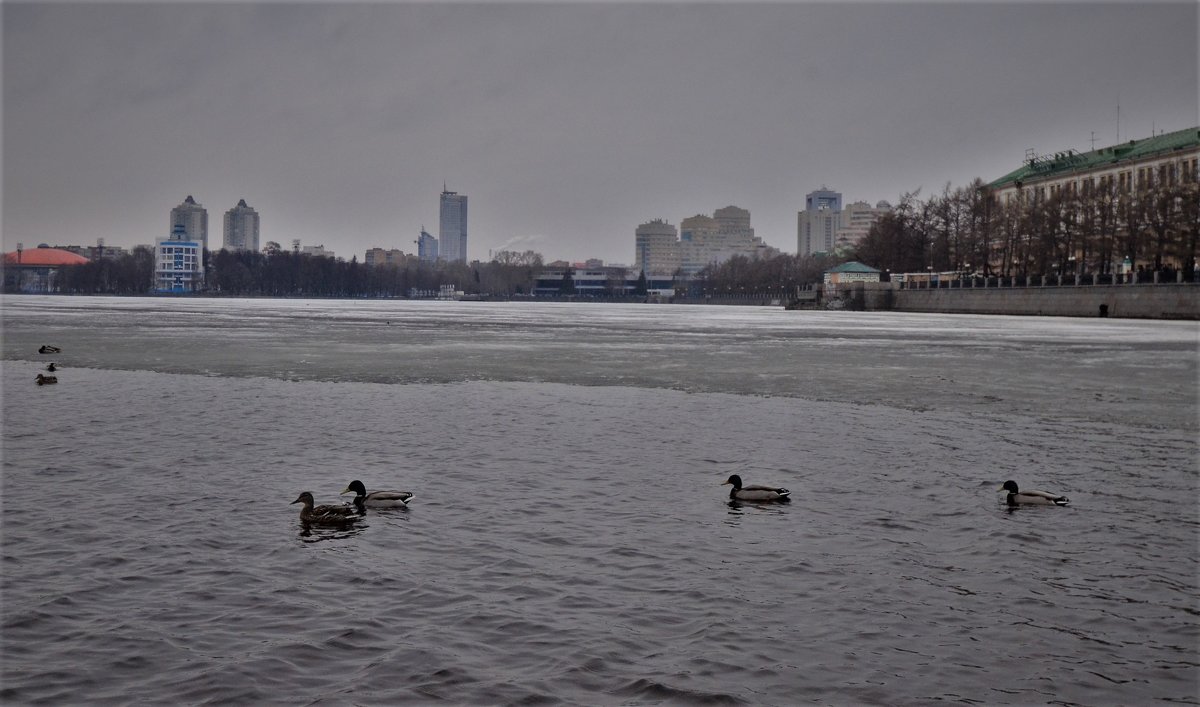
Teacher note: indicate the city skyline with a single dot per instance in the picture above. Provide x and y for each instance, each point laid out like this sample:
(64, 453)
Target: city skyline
(568, 125)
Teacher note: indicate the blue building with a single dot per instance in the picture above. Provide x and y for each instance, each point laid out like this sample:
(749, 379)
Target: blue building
(427, 247)
(178, 262)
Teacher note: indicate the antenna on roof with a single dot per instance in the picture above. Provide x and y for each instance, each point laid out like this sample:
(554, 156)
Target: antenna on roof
(1093, 140)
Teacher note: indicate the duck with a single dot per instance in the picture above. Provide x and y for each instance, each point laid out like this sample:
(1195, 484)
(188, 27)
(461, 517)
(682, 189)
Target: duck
(325, 515)
(377, 499)
(46, 380)
(1016, 497)
(754, 492)
(52, 368)
(49, 349)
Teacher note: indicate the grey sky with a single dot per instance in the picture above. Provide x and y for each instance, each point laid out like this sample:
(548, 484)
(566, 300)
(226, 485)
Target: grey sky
(567, 125)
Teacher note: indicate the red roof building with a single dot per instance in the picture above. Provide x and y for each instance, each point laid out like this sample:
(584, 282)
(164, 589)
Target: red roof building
(42, 258)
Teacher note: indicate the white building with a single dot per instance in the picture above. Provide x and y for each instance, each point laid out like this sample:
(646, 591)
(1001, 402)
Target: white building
(857, 219)
(817, 225)
(656, 248)
(194, 219)
(178, 262)
(241, 228)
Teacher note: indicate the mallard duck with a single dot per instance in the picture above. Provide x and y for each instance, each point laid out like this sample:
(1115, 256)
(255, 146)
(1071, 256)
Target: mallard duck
(377, 499)
(325, 515)
(49, 349)
(1016, 497)
(52, 368)
(46, 380)
(754, 492)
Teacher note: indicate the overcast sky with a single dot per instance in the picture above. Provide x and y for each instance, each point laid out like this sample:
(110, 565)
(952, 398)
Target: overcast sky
(566, 124)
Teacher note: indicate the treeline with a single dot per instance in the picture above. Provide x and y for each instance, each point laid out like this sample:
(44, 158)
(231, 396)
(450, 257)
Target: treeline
(1090, 230)
(779, 274)
(289, 274)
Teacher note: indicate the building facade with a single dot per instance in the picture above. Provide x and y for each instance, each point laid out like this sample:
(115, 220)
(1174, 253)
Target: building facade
(379, 256)
(818, 223)
(656, 248)
(856, 221)
(427, 247)
(241, 228)
(452, 227)
(178, 262)
(194, 219)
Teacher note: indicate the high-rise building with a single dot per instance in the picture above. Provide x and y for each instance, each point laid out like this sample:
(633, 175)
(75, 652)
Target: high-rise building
(427, 247)
(178, 262)
(194, 219)
(704, 240)
(656, 248)
(241, 227)
(452, 226)
(817, 225)
(857, 219)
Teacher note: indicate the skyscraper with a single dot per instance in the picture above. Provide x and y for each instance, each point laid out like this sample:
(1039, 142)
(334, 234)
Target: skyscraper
(452, 226)
(427, 247)
(241, 228)
(194, 219)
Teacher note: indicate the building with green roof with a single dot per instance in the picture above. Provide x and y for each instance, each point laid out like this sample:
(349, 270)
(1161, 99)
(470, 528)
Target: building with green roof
(1164, 159)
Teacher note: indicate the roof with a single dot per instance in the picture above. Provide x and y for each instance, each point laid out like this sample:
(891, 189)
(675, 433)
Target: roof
(1047, 166)
(853, 266)
(44, 257)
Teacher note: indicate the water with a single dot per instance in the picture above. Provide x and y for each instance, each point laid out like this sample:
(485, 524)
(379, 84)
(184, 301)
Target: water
(570, 542)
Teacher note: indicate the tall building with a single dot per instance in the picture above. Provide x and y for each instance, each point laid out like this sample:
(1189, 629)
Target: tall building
(194, 219)
(241, 227)
(656, 248)
(817, 225)
(427, 247)
(178, 262)
(705, 240)
(452, 226)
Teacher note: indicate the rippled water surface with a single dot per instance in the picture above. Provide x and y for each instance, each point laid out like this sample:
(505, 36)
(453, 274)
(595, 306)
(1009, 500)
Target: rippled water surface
(570, 541)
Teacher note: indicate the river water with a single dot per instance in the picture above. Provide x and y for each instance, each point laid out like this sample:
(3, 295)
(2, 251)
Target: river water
(570, 542)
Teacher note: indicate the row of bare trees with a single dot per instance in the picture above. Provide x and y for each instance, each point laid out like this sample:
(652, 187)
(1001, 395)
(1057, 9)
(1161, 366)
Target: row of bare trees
(281, 273)
(1067, 231)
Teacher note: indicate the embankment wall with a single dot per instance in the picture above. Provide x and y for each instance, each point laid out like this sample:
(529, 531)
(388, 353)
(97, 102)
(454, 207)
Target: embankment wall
(1162, 301)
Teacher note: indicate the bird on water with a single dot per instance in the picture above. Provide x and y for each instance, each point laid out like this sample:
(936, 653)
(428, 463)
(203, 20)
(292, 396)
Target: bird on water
(377, 499)
(325, 515)
(754, 492)
(1017, 497)
(46, 380)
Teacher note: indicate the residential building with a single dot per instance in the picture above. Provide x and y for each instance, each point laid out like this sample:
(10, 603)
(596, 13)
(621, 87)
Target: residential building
(178, 262)
(656, 248)
(818, 223)
(705, 240)
(194, 219)
(427, 247)
(452, 227)
(857, 219)
(317, 251)
(241, 228)
(379, 256)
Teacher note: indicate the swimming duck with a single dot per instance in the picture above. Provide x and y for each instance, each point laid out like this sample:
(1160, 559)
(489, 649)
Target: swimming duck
(1016, 497)
(377, 499)
(46, 380)
(754, 492)
(49, 349)
(325, 515)
(52, 368)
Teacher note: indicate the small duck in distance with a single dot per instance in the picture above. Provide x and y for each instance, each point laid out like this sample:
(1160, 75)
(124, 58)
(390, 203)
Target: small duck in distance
(49, 349)
(377, 499)
(325, 515)
(52, 368)
(1016, 497)
(46, 380)
(754, 492)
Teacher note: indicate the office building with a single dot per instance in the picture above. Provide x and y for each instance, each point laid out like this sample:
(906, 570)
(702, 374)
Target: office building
(818, 223)
(194, 219)
(427, 247)
(656, 248)
(178, 262)
(856, 222)
(241, 228)
(452, 227)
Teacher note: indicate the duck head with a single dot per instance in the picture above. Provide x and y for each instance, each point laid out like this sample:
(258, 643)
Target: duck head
(735, 480)
(306, 498)
(1010, 486)
(356, 487)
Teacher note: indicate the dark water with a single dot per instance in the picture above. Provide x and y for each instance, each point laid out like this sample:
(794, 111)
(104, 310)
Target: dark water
(570, 541)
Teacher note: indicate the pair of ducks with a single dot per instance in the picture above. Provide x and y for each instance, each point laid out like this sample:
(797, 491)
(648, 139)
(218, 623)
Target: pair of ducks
(48, 380)
(363, 499)
(1014, 496)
